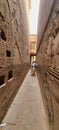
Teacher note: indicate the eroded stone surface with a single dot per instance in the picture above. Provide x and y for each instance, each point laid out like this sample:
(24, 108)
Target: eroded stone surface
(48, 58)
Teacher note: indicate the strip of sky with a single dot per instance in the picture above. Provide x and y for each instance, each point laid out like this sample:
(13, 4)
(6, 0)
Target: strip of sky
(34, 16)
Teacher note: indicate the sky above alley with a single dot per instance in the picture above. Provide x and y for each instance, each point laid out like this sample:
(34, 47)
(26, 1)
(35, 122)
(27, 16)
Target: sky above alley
(34, 16)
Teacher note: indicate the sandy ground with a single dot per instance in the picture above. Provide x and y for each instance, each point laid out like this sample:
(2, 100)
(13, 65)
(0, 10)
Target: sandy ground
(28, 105)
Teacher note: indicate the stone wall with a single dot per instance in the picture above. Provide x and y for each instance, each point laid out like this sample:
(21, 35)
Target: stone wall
(12, 77)
(5, 35)
(48, 58)
(14, 49)
(14, 32)
(44, 12)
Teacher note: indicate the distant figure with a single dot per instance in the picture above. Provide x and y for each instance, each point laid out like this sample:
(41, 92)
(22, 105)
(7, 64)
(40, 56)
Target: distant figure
(33, 68)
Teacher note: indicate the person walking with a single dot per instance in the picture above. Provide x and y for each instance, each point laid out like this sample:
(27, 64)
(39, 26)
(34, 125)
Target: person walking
(33, 68)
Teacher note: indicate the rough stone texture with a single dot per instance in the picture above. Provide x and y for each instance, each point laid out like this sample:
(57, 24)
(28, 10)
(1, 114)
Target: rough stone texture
(14, 35)
(44, 12)
(11, 86)
(48, 58)
(14, 49)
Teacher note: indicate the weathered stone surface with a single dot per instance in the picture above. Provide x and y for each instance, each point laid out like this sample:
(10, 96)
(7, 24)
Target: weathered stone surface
(14, 49)
(9, 89)
(44, 12)
(48, 58)
(50, 39)
(14, 31)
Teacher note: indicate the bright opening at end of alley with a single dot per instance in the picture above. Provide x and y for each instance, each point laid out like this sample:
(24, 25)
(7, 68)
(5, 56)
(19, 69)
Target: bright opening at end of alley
(34, 16)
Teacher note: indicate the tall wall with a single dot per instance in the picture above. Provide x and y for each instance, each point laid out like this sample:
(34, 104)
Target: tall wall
(14, 27)
(48, 58)
(44, 12)
(14, 49)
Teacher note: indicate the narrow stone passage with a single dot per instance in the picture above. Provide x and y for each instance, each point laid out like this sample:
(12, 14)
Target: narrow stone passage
(27, 110)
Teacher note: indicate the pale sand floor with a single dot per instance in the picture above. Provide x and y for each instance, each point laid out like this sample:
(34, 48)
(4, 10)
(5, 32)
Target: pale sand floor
(27, 110)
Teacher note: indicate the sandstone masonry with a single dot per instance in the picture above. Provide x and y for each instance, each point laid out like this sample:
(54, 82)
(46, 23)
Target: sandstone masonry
(48, 57)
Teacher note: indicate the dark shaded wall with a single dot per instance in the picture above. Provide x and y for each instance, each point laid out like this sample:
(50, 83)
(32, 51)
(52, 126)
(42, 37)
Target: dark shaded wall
(48, 58)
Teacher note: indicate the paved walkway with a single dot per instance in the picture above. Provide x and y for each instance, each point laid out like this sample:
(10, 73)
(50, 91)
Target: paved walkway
(27, 110)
